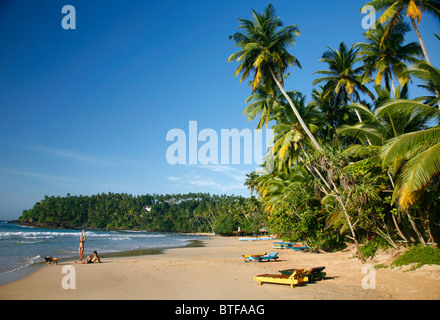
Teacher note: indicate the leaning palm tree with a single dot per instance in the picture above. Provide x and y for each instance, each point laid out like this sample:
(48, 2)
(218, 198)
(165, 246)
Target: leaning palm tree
(387, 55)
(412, 8)
(289, 137)
(263, 52)
(393, 13)
(343, 73)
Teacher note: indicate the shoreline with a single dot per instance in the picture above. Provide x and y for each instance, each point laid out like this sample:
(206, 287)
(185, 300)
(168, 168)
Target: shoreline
(24, 271)
(217, 271)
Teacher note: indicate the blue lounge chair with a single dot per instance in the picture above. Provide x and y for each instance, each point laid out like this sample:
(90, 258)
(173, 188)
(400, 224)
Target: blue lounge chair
(281, 245)
(271, 256)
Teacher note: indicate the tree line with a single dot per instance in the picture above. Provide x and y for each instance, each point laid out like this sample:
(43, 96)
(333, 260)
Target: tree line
(360, 159)
(192, 212)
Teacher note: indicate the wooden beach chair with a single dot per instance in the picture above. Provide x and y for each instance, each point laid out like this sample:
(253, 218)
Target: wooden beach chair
(271, 256)
(314, 274)
(247, 256)
(296, 278)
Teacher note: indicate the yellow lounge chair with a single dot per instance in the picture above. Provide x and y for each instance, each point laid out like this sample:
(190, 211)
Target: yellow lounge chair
(247, 256)
(296, 278)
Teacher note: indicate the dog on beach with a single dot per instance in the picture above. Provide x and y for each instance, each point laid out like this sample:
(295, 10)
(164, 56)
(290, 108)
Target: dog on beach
(51, 259)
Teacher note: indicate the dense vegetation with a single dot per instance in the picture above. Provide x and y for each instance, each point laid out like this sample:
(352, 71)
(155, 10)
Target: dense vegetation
(360, 160)
(194, 212)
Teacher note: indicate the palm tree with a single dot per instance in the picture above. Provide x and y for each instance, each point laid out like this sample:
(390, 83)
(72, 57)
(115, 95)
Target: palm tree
(251, 181)
(414, 155)
(342, 73)
(333, 113)
(262, 102)
(431, 77)
(386, 121)
(386, 55)
(289, 136)
(395, 8)
(264, 53)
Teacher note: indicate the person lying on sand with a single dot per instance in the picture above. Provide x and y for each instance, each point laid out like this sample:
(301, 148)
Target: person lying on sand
(91, 260)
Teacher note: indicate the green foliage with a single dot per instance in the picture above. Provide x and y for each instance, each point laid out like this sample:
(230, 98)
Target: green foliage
(225, 225)
(346, 168)
(193, 212)
(370, 248)
(420, 255)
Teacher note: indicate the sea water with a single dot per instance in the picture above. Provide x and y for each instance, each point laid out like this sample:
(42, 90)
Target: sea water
(22, 246)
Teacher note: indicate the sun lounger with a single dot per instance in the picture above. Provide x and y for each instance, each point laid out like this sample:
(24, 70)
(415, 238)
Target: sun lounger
(314, 274)
(247, 256)
(281, 245)
(268, 257)
(296, 278)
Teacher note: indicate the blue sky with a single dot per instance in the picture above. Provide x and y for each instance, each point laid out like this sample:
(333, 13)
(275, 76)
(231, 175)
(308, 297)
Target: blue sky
(87, 111)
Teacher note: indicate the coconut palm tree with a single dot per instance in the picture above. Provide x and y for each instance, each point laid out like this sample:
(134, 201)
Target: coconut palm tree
(251, 181)
(263, 52)
(431, 78)
(343, 73)
(333, 113)
(414, 155)
(394, 10)
(385, 122)
(413, 9)
(262, 102)
(289, 137)
(387, 55)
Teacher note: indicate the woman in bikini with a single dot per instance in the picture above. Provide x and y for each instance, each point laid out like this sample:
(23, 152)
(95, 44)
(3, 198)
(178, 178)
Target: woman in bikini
(91, 260)
(82, 239)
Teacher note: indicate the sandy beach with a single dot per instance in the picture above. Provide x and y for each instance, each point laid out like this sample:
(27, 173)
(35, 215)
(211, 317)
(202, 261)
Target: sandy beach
(218, 271)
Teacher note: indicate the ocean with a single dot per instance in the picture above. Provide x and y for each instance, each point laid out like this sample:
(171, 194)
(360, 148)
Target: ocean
(22, 248)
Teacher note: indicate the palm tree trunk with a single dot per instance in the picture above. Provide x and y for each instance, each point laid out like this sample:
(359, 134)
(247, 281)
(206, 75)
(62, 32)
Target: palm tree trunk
(357, 112)
(392, 83)
(298, 116)
(350, 225)
(413, 225)
(392, 214)
(422, 44)
(425, 53)
(360, 120)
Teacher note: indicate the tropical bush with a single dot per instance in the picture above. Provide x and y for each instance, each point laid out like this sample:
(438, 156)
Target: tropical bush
(360, 159)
